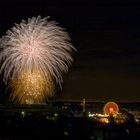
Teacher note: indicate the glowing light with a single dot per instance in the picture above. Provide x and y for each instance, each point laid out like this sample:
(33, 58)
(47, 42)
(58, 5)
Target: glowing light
(34, 56)
(104, 120)
(90, 114)
(66, 133)
(111, 108)
(55, 114)
(31, 87)
(23, 113)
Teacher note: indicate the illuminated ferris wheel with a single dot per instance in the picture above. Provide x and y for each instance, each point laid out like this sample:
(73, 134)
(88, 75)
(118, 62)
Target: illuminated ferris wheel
(111, 108)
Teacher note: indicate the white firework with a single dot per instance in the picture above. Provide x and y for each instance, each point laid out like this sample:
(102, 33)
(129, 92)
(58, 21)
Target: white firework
(35, 46)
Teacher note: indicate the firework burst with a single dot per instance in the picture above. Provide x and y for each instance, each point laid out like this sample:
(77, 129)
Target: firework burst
(35, 54)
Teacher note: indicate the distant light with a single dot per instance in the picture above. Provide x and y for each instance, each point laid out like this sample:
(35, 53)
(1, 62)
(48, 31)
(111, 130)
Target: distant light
(137, 120)
(55, 114)
(127, 131)
(111, 108)
(23, 113)
(90, 115)
(102, 115)
(104, 120)
(66, 133)
(92, 137)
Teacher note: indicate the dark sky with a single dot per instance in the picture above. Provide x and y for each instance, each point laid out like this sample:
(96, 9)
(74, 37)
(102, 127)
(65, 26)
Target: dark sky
(107, 37)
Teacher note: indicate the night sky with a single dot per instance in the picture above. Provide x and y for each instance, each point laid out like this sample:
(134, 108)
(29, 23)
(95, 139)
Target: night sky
(106, 35)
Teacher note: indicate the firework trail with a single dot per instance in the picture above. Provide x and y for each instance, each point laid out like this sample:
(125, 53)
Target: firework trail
(35, 54)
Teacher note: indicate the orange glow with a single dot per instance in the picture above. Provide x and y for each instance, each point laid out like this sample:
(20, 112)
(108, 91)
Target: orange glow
(111, 108)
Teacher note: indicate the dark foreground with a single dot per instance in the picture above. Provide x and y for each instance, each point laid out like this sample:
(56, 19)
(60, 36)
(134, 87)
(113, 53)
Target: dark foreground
(24, 124)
